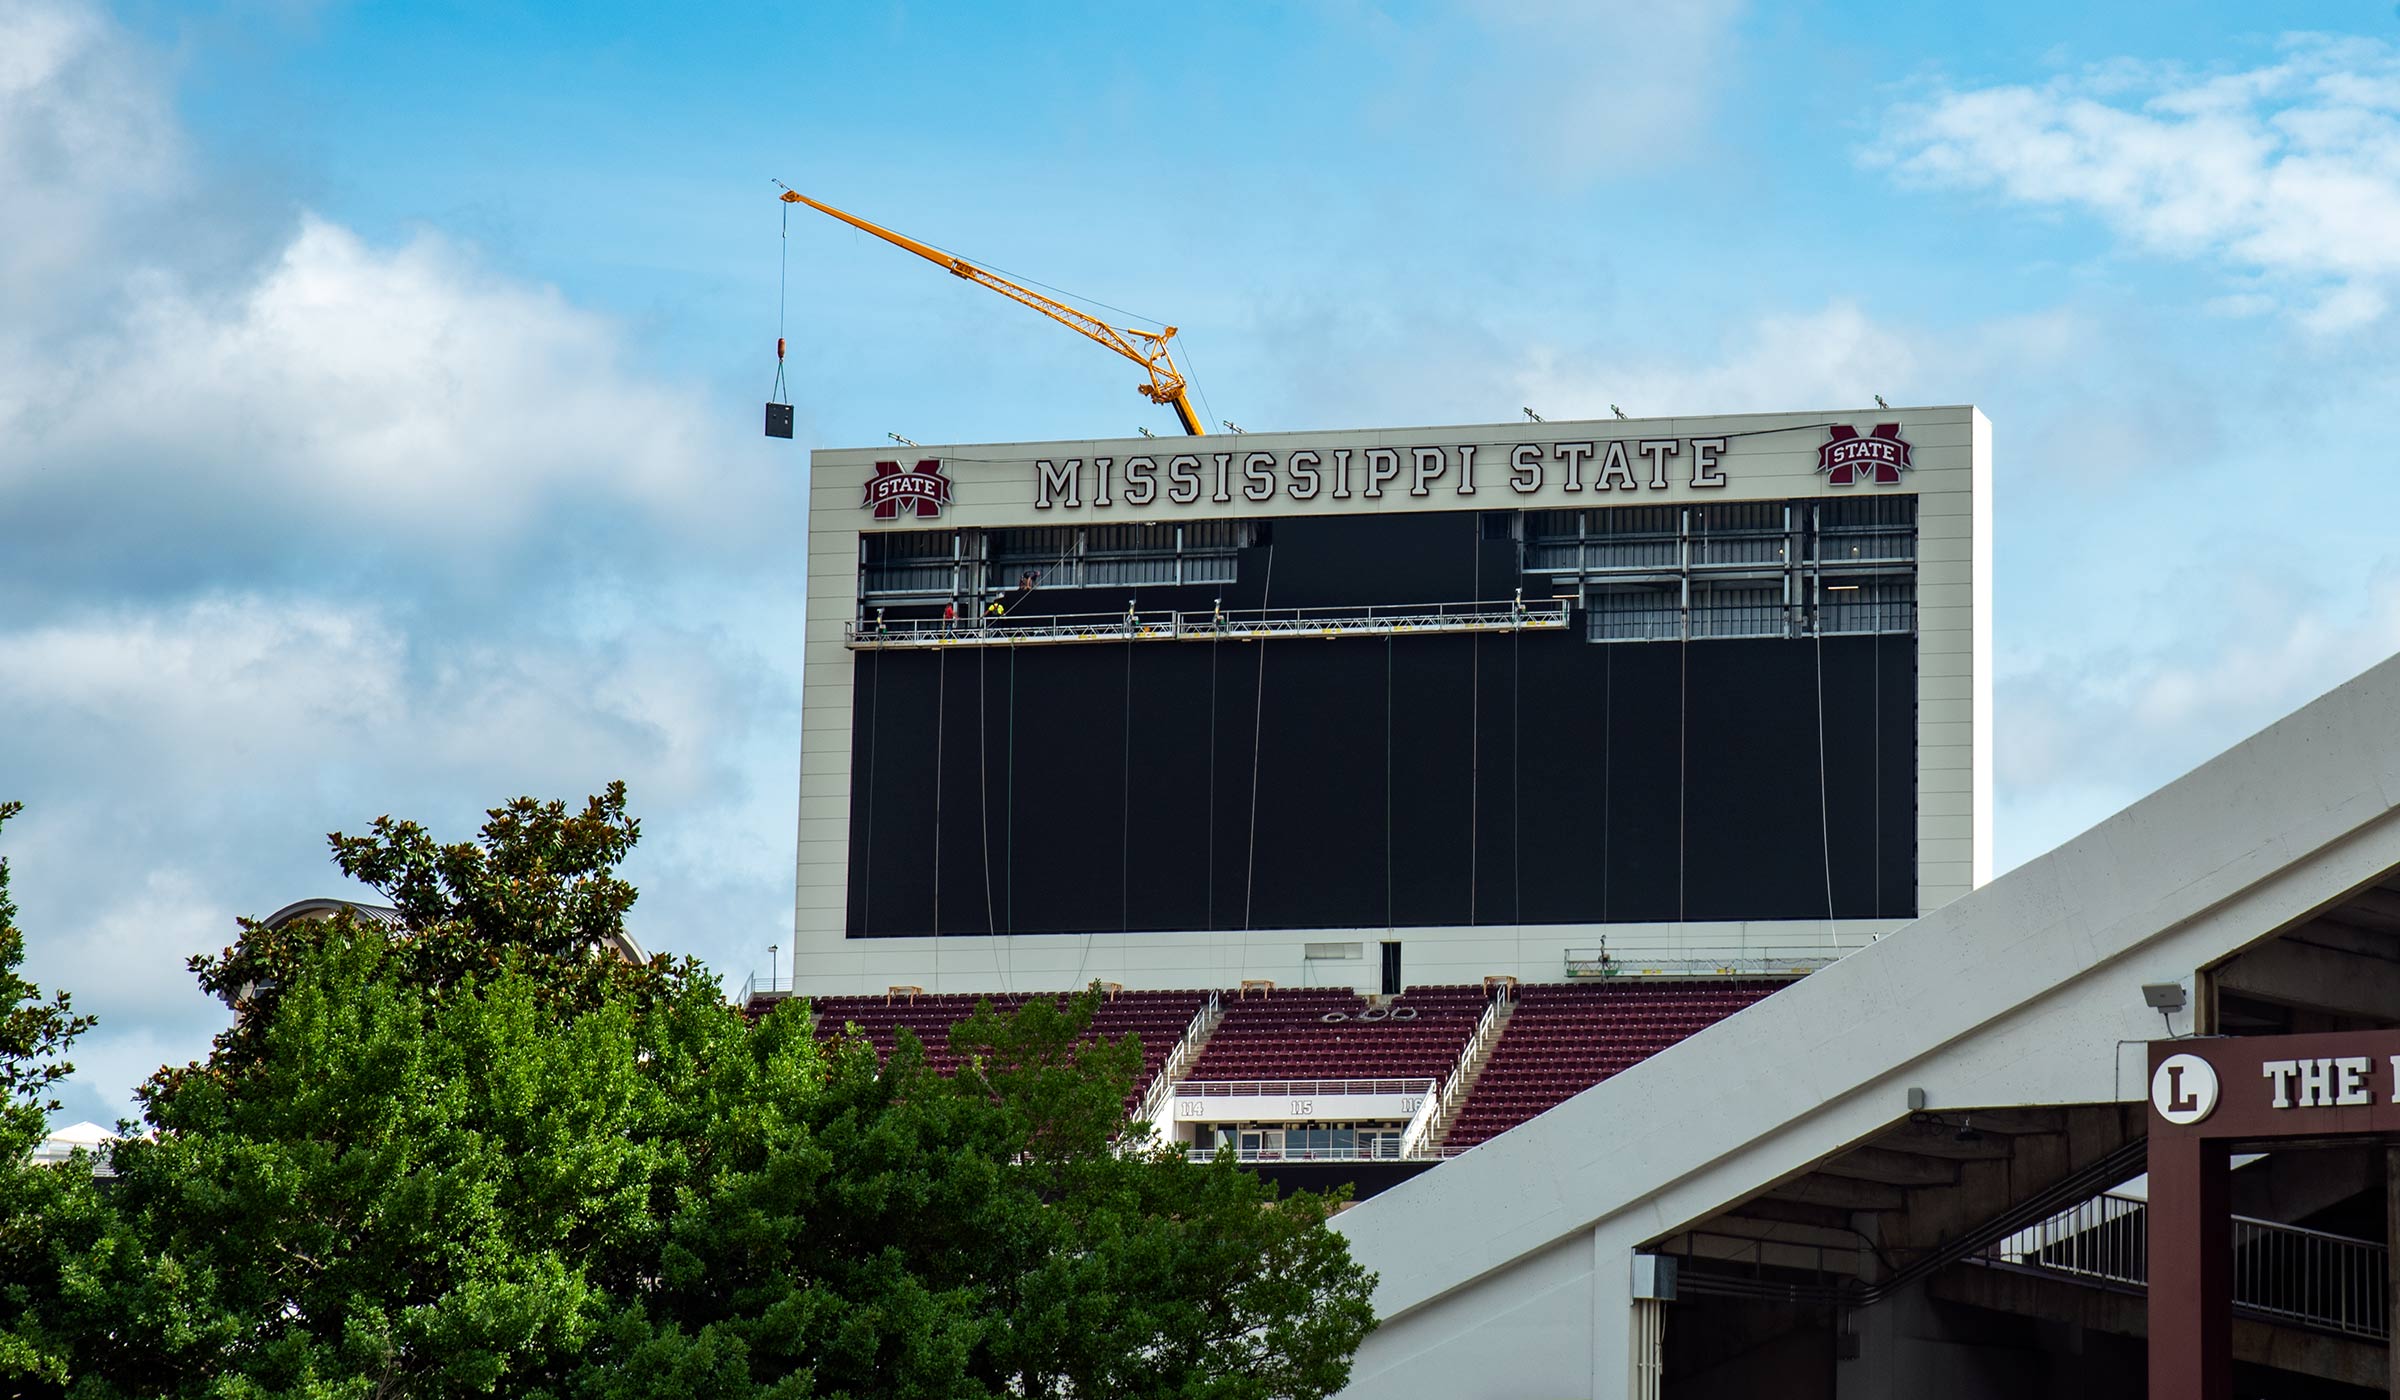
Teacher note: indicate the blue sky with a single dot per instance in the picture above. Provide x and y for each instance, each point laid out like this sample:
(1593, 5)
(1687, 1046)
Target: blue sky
(379, 385)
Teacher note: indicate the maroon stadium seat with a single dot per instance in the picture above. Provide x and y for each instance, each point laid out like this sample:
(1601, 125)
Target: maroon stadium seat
(1563, 1039)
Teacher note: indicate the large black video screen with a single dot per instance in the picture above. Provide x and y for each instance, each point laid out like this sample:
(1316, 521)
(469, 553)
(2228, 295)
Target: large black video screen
(1367, 782)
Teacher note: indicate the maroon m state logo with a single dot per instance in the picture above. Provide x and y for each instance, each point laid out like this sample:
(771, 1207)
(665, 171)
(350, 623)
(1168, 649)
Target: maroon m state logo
(1879, 457)
(894, 489)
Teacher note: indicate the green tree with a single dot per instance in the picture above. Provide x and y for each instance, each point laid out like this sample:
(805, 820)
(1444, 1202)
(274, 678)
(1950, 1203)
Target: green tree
(50, 1217)
(35, 1032)
(1000, 1232)
(478, 1154)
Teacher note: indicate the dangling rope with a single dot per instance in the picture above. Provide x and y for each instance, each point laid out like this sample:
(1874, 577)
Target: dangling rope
(983, 786)
(1683, 765)
(1216, 640)
(1258, 721)
(1824, 803)
(1608, 763)
(1009, 828)
(1125, 808)
(866, 905)
(1475, 739)
(1516, 779)
(1387, 780)
(941, 700)
(1878, 644)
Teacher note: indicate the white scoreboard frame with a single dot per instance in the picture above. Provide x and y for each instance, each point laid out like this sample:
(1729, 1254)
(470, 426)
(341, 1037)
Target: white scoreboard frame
(1518, 466)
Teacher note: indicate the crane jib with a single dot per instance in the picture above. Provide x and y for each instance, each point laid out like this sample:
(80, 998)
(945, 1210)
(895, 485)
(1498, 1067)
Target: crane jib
(1166, 381)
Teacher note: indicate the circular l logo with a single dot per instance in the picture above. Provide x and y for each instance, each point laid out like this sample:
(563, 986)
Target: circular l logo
(2183, 1089)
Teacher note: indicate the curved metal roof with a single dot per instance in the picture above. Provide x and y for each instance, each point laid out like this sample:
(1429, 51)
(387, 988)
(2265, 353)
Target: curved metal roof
(327, 908)
(390, 918)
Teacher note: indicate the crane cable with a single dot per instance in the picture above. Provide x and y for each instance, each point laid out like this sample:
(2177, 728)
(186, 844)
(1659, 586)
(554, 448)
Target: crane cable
(783, 274)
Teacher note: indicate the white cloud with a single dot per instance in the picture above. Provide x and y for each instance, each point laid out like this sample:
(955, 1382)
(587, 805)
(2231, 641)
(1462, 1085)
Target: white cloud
(81, 121)
(306, 527)
(1836, 357)
(2231, 649)
(277, 382)
(1592, 88)
(406, 392)
(198, 690)
(231, 694)
(182, 760)
(2291, 169)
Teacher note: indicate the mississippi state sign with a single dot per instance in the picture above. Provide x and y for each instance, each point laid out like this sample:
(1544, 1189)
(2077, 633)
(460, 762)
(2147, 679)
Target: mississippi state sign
(895, 490)
(1847, 458)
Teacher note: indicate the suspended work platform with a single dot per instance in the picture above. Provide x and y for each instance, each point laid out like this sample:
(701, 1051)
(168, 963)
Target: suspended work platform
(1245, 625)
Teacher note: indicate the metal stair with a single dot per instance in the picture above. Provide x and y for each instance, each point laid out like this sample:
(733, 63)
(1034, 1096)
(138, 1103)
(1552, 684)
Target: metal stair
(1471, 1063)
(1180, 1060)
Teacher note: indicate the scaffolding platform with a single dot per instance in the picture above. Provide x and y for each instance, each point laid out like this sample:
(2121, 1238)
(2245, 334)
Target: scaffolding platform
(1245, 625)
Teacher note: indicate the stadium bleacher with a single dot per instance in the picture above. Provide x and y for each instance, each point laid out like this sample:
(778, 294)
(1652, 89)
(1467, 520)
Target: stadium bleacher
(1335, 1033)
(1159, 1018)
(1563, 1039)
(1560, 1040)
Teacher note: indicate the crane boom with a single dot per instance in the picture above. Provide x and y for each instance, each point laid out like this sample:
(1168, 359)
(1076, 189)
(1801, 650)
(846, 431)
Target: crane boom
(1146, 348)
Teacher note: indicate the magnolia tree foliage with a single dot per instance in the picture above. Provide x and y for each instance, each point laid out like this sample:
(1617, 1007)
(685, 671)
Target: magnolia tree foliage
(35, 1032)
(481, 1155)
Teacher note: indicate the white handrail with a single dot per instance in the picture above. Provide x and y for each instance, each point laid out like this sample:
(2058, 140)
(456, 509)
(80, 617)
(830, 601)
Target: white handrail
(1454, 1092)
(1158, 1099)
(1420, 1125)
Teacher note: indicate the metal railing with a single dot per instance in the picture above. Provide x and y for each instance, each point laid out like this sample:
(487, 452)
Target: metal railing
(2283, 1272)
(1297, 1088)
(1246, 624)
(1162, 1090)
(1454, 1089)
(1417, 1132)
(1387, 1150)
(1588, 963)
(757, 986)
(1668, 620)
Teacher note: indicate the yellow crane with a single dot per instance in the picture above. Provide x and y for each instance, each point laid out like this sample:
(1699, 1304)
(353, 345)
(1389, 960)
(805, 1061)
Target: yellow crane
(1145, 348)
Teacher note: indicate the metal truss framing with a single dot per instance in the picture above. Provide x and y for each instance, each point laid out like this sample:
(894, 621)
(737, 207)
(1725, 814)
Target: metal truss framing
(1245, 625)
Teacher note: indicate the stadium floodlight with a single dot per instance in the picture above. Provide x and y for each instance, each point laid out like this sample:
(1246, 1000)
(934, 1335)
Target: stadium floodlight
(2168, 998)
(904, 442)
(1535, 416)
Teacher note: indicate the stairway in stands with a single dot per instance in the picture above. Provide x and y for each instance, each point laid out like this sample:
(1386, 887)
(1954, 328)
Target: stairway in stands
(1472, 1061)
(1178, 1063)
